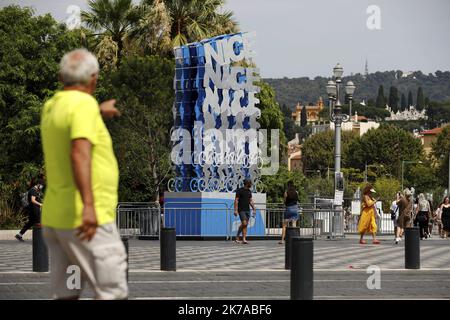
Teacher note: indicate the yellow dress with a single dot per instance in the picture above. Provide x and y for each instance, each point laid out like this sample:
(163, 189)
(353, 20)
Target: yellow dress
(367, 222)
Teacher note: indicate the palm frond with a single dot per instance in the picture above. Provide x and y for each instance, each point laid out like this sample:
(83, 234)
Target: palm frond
(179, 40)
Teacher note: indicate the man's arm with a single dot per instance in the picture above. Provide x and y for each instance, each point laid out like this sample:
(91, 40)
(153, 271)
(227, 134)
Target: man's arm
(108, 109)
(81, 168)
(34, 201)
(236, 201)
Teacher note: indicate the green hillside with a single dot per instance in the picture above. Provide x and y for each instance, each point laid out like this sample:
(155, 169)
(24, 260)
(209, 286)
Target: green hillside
(436, 87)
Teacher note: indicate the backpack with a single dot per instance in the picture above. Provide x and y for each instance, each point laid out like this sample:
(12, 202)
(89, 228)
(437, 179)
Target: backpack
(24, 199)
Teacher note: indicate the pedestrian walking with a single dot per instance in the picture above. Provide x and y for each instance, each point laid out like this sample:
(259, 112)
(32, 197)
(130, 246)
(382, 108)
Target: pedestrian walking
(438, 220)
(422, 216)
(445, 217)
(290, 215)
(33, 209)
(431, 219)
(347, 218)
(242, 204)
(394, 211)
(79, 209)
(405, 204)
(367, 220)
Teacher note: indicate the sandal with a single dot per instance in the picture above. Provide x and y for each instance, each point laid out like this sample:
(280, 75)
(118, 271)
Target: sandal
(244, 242)
(362, 242)
(236, 241)
(281, 242)
(376, 242)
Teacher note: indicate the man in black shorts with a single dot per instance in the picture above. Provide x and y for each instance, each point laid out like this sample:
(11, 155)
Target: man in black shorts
(242, 205)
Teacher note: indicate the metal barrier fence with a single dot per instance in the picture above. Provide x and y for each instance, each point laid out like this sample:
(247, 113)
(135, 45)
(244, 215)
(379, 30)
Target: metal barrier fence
(138, 218)
(145, 219)
(385, 225)
(313, 222)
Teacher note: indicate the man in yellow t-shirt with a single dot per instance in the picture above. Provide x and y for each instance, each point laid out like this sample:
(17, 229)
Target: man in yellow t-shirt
(78, 212)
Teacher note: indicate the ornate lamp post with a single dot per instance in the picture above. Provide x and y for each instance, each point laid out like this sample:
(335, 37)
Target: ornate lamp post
(336, 115)
(349, 90)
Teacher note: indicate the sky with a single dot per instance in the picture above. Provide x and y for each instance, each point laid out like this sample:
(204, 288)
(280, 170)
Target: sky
(306, 38)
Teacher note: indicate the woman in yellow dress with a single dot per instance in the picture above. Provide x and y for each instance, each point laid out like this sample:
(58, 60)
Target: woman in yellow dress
(367, 223)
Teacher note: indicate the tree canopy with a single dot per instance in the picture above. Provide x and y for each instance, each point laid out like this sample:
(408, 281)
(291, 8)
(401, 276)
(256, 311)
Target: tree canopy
(143, 89)
(388, 146)
(31, 49)
(441, 154)
(318, 150)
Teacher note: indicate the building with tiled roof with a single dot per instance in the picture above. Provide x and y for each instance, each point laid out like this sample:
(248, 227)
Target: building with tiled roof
(312, 112)
(427, 138)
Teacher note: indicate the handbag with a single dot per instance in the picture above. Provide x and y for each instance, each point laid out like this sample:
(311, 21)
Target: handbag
(394, 214)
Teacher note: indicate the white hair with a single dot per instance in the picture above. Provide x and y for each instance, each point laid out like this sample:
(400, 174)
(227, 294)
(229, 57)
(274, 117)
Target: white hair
(77, 67)
(407, 193)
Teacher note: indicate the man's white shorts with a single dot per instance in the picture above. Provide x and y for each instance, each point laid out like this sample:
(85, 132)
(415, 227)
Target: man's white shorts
(102, 262)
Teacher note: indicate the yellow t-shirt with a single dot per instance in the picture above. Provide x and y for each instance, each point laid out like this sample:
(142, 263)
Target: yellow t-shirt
(69, 115)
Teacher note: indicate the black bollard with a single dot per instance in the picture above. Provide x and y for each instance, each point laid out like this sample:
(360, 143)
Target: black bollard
(168, 255)
(412, 248)
(290, 232)
(302, 284)
(40, 251)
(126, 245)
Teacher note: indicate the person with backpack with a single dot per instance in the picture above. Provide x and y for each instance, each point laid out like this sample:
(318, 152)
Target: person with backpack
(32, 202)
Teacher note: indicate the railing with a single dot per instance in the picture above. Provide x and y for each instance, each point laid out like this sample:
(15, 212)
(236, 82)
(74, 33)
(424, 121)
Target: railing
(217, 219)
(138, 218)
(384, 224)
(313, 222)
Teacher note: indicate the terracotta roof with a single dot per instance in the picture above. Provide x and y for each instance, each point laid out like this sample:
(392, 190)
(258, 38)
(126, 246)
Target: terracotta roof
(434, 131)
(360, 118)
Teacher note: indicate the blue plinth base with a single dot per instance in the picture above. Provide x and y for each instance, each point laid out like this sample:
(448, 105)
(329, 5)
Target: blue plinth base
(209, 214)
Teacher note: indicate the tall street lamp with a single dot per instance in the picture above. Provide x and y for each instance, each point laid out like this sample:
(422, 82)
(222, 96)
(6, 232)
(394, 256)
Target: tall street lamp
(403, 167)
(336, 115)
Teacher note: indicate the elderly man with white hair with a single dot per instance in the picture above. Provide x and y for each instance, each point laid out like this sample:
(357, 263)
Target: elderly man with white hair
(78, 213)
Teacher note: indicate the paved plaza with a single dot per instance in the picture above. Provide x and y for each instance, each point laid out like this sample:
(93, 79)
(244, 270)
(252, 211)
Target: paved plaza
(222, 269)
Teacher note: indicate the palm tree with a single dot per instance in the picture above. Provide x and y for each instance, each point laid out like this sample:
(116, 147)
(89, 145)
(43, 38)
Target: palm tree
(151, 34)
(194, 20)
(113, 18)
